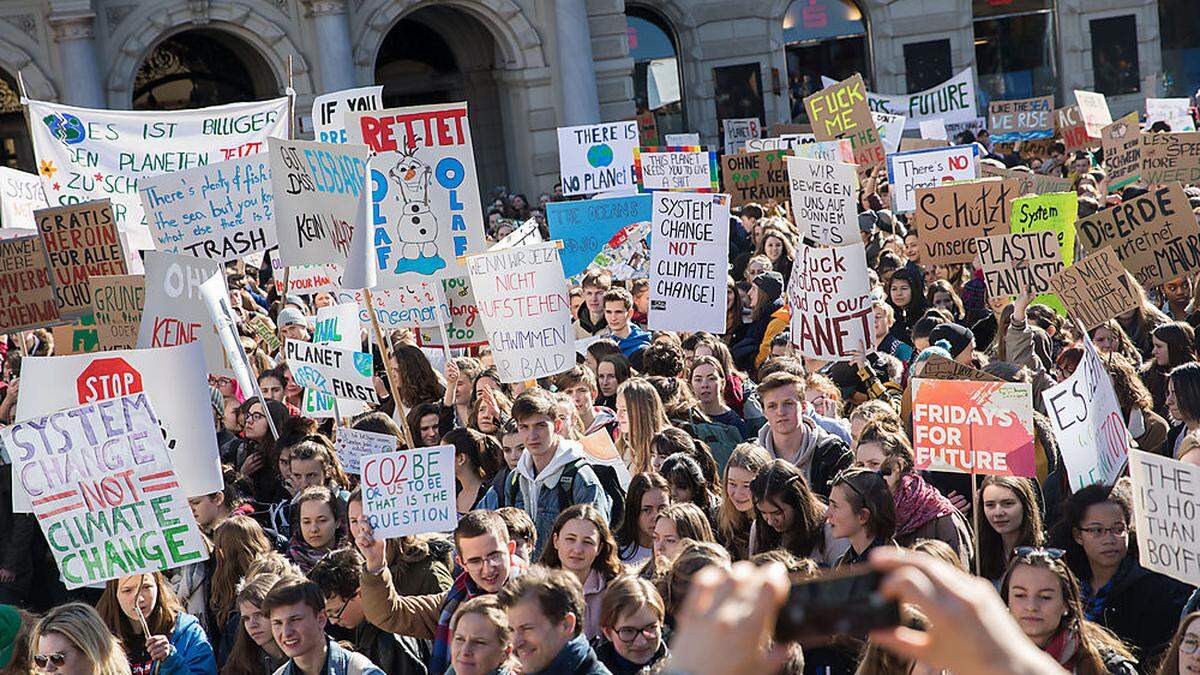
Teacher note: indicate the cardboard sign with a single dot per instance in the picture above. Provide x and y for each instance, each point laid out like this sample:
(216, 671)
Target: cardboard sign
(1028, 182)
(352, 445)
(910, 171)
(1017, 263)
(410, 492)
(79, 241)
(117, 303)
(784, 142)
(953, 101)
(647, 129)
(759, 177)
(950, 218)
(336, 325)
(1095, 289)
(689, 257)
(26, 293)
(961, 426)
(343, 373)
(1175, 112)
(1166, 498)
(464, 329)
(826, 151)
(105, 491)
(1069, 125)
(597, 157)
(1155, 235)
(738, 131)
(174, 379)
(174, 313)
(891, 130)
(264, 332)
(830, 294)
(1085, 415)
(824, 200)
(76, 337)
(523, 301)
(318, 185)
(20, 195)
(841, 111)
(1122, 141)
(1021, 119)
(425, 204)
(941, 368)
(611, 233)
(909, 144)
(1093, 109)
(329, 110)
(686, 169)
(1170, 158)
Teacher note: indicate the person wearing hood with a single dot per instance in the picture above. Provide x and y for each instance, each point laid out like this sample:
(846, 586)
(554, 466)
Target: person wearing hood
(632, 339)
(793, 436)
(545, 608)
(905, 293)
(766, 298)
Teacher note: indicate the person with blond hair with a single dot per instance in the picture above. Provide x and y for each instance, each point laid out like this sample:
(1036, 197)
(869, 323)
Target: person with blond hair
(72, 639)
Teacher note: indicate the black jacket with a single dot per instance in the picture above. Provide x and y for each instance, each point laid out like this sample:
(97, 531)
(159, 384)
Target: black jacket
(394, 654)
(619, 665)
(1143, 608)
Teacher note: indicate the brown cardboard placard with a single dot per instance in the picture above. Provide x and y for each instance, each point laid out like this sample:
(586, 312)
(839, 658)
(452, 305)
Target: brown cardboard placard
(757, 177)
(117, 302)
(1155, 235)
(1095, 289)
(1069, 125)
(941, 368)
(1017, 263)
(1122, 151)
(949, 218)
(841, 111)
(908, 143)
(80, 241)
(26, 293)
(1172, 157)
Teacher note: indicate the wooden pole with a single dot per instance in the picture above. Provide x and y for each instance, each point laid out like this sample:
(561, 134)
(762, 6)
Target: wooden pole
(438, 298)
(385, 352)
(974, 499)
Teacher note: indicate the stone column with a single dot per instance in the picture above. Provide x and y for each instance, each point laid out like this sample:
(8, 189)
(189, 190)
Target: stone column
(74, 32)
(576, 71)
(333, 43)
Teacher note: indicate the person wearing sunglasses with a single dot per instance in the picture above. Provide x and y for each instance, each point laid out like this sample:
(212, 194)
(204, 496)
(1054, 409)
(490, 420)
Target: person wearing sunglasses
(1043, 596)
(1140, 606)
(631, 617)
(71, 639)
(1183, 656)
(861, 510)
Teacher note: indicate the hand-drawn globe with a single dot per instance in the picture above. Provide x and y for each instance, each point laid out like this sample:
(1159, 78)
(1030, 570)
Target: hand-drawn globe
(600, 155)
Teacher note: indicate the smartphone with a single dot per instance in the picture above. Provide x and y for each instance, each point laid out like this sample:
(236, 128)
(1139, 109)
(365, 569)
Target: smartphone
(843, 602)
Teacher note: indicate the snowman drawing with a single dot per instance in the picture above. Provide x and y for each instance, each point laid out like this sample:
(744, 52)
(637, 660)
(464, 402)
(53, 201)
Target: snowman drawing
(417, 227)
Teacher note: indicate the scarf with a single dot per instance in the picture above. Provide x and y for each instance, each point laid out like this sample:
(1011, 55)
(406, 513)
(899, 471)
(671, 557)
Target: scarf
(1064, 648)
(306, 557)
(461, 590)
(918, 503)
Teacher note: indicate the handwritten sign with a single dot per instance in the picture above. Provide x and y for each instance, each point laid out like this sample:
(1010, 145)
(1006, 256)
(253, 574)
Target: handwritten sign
(338, 372)
(352, 445)
(830, 294)
(911, 171)
(1017, 263)
(79, 241)
(1021, 119)
(597, 157)
(336, 325)
(1093, 108)
(689, 253)
(20, 195)
(1166, 499)
(611, 234)
(962, 426)
(465, 329)
(174, 312)
(1170, 158)
(1069, 125)
(686, 169)
(26, 293)
(117, 303)
(1122, 142)
(1176, 113)
(952, 100)
(1095, 289)
(824, 200)
(841, 111)
(318, 185)
(738, 131)
(950, 218)
(329, 110)
(410, 492)
(1155, 235)
(759, 177)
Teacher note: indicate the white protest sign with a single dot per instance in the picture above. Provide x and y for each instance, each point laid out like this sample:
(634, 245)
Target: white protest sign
(1176, 112)
(687, 170)
(891, 129)
(738, 131)
(527, 233)
(908, 171)
(105, 491)
(20, 195)
(1086, 418)
(221, 211)
(352, 445)
(216, 301)
(410, 492)
(682, 139)
(344, 373)
(952, 101)
(522, 297)
(841, 150)
(831, 302)
(1166, 501)
(85, 154)
(318, 186)
(329, 110)
(934, 129)
(597, 158)
(824, 200)
(412, 306)
(336, 325)
(174, 312)
(173, 378)
(689, 254)
(781, 142)
(1093, 108)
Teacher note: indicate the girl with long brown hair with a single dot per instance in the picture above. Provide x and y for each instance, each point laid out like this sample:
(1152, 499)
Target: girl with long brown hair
(736, 514)
(1013, 519)
(176, 641)
(790, 516)
(237, 542)
(254, 649)
(640, 415)
(648, 494)
(581, 543)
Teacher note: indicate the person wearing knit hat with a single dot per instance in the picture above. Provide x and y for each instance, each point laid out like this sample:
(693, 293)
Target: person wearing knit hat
(766, 298)
(10, 631)
(960, 341)
(770, 284)
(292, 323)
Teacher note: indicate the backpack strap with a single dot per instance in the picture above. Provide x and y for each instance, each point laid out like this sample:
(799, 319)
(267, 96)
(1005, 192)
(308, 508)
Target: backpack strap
(510, 489)
(566, 482)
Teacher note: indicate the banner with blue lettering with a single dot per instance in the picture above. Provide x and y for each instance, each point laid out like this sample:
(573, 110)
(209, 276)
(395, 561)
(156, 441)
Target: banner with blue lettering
(319, 184)
(85, 154)
(611, 233)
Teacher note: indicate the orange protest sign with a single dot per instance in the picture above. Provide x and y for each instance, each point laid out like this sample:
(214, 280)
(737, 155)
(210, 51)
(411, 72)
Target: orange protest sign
(962, 426)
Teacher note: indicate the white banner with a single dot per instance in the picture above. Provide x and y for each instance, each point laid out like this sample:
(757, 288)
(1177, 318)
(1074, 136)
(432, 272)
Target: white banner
(1176, 112)
(689, 256)
(738, 131)
(174, 312)
(1166, 499)
(824, 200)
(86, 154)
(522, 297)
(952, 100)
(831, 302)
(20, 195)
(908, 171)
(410, 492)
(336, 325)
(682, 171)
(344, 373)
(597, 158)
(329, 110)
(412, 306)
(318, 185)
(352, 445)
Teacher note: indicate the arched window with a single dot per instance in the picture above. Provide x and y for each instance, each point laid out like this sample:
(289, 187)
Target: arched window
(657, 78)
(1178, 26)
(823, 37)
(15, 149)
(200, 68)
(1015, 49)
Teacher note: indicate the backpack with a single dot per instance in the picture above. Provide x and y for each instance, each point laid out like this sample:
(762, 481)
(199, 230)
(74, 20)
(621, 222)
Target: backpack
(566, 488)
(720, 438)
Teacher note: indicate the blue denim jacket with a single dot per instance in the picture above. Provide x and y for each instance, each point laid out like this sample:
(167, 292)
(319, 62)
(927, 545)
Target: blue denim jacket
(338, 662)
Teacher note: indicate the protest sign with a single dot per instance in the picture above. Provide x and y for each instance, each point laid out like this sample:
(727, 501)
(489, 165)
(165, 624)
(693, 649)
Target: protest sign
(529, 232)
(1069, 125)
(1053, 212)
(343, 373)
(1170, 158)
(682, 139)
(962, 426)
(20, 195)
(824, 200)
(465, 329)
(1166, 499)
(318, 185)
(1086, 418)
(425, 203)
(220, 211)
(938, 367)
(647, 128)
(522, 298)
(611, 233)
(329, 110)
(686, 169)
(264, 332)
(1028, 182)
(79, 241)
(909, 144)
(891, 130)
(597, 157)
(826, 151)
(738, 131)
(1155, 235)
(220, 313)
(949, 218)
(953, 101)
(413, 305)
(1122, 142)
(973, 127)
(105, 491)
(841, 111)
(410, 492)
(689, 254)
(117, 303)
(759, 177)
(76, 337)
(352, 445)
(1019, 263)
(1093, 109)
(26, 293)
(336, 325)
(784, 142)
(1176, 113)
(174, 313)
(173, 378)
(1095, 289)
(1021, 119)
(306, 278)
(934, 129)
(86, 154)
(830, 296)
(909, 171)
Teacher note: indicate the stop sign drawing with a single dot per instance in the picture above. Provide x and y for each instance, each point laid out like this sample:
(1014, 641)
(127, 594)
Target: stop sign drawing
(107, 378)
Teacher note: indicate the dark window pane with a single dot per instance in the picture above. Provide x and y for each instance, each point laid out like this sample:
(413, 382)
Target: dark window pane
(1114, 55)
(808, 20)
(1014, 56)
(1178, 26)
(739, 92)
(927, 64)
(657, 78)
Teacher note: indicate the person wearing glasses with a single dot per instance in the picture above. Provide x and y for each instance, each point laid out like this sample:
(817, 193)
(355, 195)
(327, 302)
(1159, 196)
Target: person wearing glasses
(1183, 655)
(71, 639)
(631, 618)
(861, 510)
(1140, 606)
(1043, 596)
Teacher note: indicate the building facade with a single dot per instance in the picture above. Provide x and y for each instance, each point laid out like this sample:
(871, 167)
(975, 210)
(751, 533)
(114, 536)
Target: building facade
(527, 67)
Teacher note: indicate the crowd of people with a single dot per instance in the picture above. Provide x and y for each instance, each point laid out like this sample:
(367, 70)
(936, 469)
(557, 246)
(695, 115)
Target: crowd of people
(750, 467)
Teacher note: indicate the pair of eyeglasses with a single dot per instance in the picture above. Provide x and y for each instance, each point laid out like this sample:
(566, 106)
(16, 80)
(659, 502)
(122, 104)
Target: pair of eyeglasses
(57, 658)
(255, 417)
(651, 632)
(221, 381)
(1118, 530)
(1032, 551)
(1189, 645)
(337, 616)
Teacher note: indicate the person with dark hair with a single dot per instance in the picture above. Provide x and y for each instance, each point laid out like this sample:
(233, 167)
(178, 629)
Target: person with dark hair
(477, 458)
(689, 485)
(960, 339)
(766, 298)
(663, 357)
(296, 609)
(862, 511)
(611, 372)
(632, 617)
(1183, 405)
(546, 608)
(789, 516)
(905, 295)
(579, 382)
(424, 423)
(521, 531)
(631, 338)
(648, 494)
(1012, 519)
(255, 453)
(590, 318)
(1173, 345)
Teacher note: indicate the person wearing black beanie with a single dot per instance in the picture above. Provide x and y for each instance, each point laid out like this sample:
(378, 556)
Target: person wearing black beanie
(766, 297)
(960, 338)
